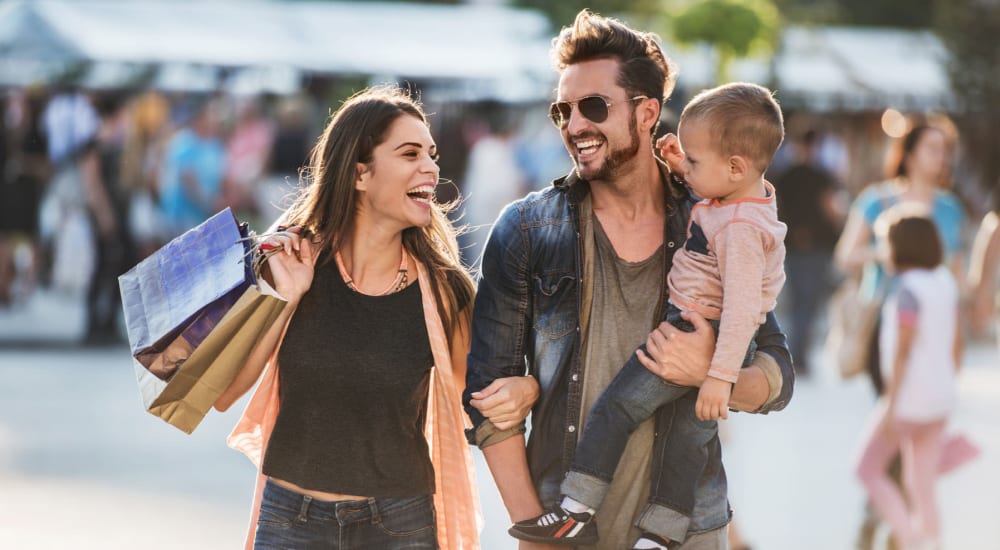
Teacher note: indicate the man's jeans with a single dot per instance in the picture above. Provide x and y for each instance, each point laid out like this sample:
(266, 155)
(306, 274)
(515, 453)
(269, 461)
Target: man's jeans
(289, 519)
(681, 451)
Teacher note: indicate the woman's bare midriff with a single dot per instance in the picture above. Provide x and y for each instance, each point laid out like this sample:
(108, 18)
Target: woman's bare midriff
(318, 495)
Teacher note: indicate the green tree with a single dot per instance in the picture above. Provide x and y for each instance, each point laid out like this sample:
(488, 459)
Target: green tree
(969, 29)
(735, 28)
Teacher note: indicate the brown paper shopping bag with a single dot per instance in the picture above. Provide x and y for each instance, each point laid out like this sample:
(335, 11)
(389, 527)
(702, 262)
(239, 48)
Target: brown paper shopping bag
(193, 388)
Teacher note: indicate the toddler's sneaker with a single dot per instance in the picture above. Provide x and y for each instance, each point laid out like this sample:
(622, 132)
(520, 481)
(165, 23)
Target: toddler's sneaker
(557, 526)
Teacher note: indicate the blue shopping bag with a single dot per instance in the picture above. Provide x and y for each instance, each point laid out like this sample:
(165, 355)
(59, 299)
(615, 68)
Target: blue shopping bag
(193, 314)
(183, 289)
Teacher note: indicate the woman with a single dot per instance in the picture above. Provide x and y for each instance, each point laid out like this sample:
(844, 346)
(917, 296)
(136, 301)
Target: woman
(367, 444)
(918, 169)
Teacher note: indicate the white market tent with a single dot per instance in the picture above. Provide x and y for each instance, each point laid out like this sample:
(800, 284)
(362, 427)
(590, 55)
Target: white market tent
(858, 69)
(502, 49)
(839, 69)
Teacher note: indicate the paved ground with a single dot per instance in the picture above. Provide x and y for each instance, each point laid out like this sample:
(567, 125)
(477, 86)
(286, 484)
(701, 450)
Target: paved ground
(82, 466)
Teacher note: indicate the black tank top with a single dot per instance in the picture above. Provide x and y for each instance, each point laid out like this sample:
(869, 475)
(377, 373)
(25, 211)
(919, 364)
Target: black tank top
(354, 372)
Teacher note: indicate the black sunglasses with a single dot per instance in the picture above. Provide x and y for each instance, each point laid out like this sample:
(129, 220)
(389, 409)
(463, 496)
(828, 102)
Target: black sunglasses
(593, 107)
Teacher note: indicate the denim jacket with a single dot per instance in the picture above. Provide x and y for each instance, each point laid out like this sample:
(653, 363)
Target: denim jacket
(527, 320)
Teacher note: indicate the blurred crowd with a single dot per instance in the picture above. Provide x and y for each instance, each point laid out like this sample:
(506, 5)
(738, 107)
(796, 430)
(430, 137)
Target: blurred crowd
(91, 182)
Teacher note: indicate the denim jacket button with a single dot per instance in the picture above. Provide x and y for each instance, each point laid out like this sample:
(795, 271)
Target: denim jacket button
(571, 429)
(670, 244)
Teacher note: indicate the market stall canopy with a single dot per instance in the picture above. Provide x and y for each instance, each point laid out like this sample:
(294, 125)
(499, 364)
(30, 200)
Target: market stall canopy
(855, 69)
(838, 69)
(469, 42)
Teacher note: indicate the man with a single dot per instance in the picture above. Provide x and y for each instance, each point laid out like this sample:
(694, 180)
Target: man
(573, 279)
(809, 203)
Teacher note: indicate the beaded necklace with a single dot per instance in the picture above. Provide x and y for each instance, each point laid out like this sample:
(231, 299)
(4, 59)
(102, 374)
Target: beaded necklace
(398, 284)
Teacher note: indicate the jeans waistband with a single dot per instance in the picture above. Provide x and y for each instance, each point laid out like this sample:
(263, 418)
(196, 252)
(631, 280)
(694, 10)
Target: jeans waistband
(342, 511)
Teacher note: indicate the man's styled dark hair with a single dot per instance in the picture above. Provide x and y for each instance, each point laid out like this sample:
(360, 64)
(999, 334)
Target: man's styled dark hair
(644, 68)
(743, 119)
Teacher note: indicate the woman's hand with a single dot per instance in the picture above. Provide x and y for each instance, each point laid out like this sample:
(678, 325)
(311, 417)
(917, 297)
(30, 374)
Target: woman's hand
(507, 401)
(292, 266)
(679, 357)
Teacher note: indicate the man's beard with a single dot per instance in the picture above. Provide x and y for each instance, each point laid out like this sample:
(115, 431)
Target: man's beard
(616, 158)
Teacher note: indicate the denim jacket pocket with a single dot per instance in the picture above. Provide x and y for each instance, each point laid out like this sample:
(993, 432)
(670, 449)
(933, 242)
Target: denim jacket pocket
(554, 302)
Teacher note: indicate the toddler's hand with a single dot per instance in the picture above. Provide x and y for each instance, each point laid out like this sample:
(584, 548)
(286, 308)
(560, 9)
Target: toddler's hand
(713, 399)
(670, 151)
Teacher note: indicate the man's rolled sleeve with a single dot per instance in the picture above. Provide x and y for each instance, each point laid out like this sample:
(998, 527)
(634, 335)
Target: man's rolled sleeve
(775, 361)
(487, 434)
(499, 321)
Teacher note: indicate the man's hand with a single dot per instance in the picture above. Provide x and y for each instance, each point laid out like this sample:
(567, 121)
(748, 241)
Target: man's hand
(679, 357)
(507, 401)
(713, 399)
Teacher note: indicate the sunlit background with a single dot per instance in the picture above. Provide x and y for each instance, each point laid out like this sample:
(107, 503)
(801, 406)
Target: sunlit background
(83, 466)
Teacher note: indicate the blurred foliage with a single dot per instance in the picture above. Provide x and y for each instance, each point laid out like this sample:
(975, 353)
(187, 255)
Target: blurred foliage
(879, 13)
(969, 28)
(735, 28)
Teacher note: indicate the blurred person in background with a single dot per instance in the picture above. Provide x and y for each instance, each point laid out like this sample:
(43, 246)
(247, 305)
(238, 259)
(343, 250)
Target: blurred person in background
(248, 152)
(147, 129)
(983, 262)
(194, 165)
(22, 181)
(357, 424)
(920, 344)
(108, 206)
(493, 179)
(918, 167)
(808, 204)
(70, 123)
(289, 149)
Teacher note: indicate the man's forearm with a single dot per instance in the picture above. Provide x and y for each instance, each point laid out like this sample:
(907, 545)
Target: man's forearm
(508, 462)
(751, 390)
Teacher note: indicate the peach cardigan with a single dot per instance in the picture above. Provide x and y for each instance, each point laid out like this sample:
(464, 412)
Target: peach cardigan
(456, 501)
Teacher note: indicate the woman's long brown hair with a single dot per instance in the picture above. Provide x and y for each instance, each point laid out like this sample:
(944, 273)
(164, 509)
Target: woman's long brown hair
(327, 205)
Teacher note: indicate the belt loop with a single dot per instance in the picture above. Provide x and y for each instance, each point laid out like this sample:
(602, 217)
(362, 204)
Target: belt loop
(374, 508)
(304, 511)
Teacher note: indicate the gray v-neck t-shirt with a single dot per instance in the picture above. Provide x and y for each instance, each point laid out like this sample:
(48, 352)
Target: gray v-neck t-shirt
(622, 314)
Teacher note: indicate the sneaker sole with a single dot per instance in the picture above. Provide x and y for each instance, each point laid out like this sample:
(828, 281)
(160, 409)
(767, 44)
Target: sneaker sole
(574, 541)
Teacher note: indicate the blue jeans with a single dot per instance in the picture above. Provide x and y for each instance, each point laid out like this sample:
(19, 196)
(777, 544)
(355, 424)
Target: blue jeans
(293, 521)
(682, 447)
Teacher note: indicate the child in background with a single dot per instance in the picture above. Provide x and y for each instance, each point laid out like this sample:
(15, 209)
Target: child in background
(921, 347)
(730, 270)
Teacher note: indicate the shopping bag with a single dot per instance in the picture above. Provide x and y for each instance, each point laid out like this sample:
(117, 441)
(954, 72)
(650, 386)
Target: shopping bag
(853, 318)
(185, 399)
(957, 450)
(188, 308)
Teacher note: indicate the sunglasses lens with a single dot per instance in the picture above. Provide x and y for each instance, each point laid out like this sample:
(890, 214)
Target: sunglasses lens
(559, 113)
(594, 108)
